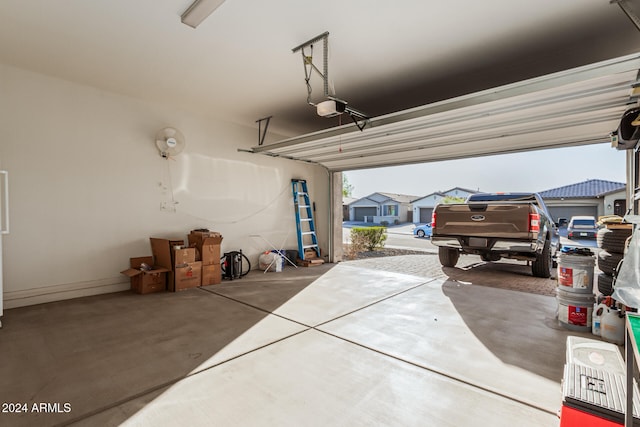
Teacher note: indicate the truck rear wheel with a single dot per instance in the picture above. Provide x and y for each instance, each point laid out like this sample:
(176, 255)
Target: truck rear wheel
(448, 257)
(541, 266)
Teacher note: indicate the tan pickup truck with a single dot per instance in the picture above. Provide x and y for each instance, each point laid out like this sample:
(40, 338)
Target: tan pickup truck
(495, 226)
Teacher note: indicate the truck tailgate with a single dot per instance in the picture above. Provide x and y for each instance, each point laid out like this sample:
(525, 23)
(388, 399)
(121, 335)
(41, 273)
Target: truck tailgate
(484, 220)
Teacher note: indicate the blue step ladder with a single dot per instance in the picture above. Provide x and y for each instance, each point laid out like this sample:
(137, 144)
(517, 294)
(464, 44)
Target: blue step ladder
(305, 227)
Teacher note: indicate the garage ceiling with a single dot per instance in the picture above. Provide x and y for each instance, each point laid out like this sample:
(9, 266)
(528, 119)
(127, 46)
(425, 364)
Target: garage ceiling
(575, 107)
(384, 58)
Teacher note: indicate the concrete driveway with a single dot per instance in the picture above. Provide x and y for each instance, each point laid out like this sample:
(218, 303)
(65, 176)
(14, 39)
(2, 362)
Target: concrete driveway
(347, 344)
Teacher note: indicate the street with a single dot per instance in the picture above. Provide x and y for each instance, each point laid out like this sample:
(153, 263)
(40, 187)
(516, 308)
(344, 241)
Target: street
(401, 237)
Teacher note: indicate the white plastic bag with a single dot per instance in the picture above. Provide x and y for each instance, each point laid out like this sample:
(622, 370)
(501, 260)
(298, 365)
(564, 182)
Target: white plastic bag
(627, 284)
(270, 261)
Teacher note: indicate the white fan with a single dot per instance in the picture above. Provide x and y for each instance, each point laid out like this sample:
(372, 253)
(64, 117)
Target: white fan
(170, 142)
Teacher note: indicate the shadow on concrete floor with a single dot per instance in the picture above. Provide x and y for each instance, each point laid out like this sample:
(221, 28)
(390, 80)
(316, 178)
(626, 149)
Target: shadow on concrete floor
(519, 328)
(98, 352)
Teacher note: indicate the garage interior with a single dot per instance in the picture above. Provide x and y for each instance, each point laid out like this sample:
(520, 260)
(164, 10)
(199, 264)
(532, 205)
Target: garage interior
(84, 90)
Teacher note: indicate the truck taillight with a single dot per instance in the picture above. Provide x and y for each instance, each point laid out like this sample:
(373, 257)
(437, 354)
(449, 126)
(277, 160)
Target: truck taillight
(433, 220)
(534, 222)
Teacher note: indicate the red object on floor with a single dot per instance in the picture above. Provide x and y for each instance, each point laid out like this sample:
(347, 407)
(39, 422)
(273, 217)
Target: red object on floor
(570, 417)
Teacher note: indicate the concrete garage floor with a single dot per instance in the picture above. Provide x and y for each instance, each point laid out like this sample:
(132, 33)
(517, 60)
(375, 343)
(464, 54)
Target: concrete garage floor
(347, 344)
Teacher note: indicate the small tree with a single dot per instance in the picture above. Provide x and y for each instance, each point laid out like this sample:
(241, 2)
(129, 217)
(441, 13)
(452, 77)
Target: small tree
(347, 189)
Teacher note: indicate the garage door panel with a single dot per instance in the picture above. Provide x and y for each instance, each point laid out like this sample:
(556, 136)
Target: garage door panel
(425, 215)
(573, 107)
(360, 212)
(569, 211)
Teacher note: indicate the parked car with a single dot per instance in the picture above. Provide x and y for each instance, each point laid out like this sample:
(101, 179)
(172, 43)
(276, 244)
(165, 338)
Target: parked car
(582, 227)
(423, 230)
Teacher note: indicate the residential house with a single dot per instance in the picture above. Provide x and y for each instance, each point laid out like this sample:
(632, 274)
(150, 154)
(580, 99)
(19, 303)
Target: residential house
(382, 207)
(594, 197)
(423, 207)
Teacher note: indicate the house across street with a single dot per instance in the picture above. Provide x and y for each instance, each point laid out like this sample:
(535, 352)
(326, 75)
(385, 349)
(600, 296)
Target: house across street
(593, 197)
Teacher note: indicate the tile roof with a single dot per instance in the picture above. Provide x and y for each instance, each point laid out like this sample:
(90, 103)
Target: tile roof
(348, 200)
(463, 189)
(436, 193)
(583, 190)
(444, 193)
(402, 198)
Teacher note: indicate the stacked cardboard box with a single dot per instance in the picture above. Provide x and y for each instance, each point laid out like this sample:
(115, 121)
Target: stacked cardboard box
(187, 271)
(184, 271)
(207, 243)
(310, 259)
(145, 277)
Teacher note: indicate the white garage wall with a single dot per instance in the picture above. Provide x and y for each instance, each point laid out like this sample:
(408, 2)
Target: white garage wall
(87, 185)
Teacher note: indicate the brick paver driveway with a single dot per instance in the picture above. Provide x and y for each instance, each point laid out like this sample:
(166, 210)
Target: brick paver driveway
(504, 274)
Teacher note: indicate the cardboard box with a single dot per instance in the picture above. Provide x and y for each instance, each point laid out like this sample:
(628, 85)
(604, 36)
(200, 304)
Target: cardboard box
(162, 250)
(184, 256)
(211, 274)
(146, 281)
(208, 245)
(205, 237)
(187, 276)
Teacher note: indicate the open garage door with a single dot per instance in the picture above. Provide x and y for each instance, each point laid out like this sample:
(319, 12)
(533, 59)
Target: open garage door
(570, 108)
(574, 107)
(569, 211)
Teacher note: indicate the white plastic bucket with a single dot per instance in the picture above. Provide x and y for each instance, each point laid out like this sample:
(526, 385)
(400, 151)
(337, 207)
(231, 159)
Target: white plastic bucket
(575, 310)
(575, 273)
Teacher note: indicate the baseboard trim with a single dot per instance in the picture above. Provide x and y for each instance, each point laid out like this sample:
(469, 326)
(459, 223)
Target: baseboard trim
(15, 299)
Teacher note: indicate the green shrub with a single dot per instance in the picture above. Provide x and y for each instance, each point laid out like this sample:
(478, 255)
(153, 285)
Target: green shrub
(368, 238)
(384, 223)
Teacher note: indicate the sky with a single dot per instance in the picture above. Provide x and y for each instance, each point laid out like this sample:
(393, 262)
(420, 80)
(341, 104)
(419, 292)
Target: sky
(532, 171)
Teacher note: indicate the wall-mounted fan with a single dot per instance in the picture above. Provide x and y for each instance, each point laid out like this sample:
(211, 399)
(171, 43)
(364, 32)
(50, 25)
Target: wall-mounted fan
(170, 142)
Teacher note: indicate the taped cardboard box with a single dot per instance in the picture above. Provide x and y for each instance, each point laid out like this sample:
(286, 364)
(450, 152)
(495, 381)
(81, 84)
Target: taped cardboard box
(188, 276)
(146, 278)
(211, 274)
(183, 256)
(208, 245)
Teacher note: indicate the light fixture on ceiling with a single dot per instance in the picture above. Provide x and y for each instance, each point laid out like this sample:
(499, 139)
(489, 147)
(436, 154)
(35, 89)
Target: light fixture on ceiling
(199, 11)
